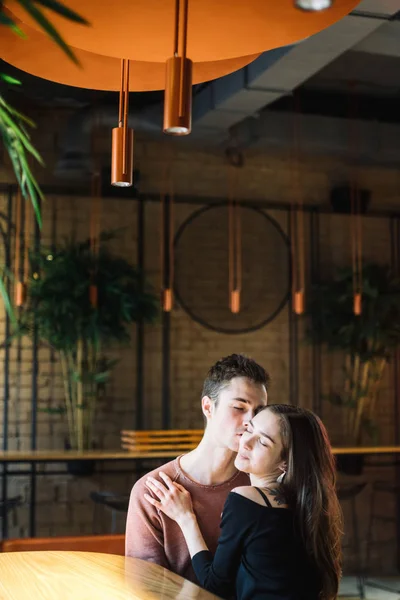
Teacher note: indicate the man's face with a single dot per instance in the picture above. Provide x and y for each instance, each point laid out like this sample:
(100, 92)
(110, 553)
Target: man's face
(238, 402)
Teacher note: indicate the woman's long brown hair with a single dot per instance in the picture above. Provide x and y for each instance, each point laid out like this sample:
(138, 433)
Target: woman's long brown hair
(310, 484)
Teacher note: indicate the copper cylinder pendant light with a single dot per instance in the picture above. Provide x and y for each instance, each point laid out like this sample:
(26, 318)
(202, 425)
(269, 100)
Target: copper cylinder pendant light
(167, 242)
(178, 79)
(356, 229)
(297, 221)
(20, 288)
(234, 246)
(356, 249)
(122, 136)
(22, 263)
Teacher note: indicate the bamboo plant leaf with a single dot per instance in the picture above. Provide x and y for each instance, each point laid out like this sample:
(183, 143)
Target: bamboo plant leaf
(38, 16)
(63, 11)
(9, 79)
(8, 21)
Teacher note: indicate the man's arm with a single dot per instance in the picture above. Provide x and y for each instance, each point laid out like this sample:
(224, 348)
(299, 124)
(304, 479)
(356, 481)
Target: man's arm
(144, 532)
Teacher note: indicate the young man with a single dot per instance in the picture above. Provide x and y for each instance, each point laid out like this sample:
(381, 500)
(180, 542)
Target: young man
(235, 388)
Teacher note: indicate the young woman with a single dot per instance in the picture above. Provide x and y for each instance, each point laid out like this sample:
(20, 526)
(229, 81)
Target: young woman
(280, 536)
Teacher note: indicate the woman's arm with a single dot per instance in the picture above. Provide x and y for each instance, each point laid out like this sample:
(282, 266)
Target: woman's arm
(217, 574)
(175, 501)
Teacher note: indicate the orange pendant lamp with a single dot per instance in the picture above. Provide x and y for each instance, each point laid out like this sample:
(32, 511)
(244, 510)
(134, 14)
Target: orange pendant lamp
(234, 242)
(122, 136)
(178, 80)
(224, 36)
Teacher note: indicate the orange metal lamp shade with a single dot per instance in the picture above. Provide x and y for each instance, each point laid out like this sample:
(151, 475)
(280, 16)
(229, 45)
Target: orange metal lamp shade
(39, 56)
(122, 136)
(217, 29)
(121, 165)
(178, 96)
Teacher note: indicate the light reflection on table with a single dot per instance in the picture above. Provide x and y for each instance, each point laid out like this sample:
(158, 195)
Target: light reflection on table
(90, 576)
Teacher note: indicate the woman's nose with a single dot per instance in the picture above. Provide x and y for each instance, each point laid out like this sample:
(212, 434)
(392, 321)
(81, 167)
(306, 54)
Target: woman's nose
(246, 441)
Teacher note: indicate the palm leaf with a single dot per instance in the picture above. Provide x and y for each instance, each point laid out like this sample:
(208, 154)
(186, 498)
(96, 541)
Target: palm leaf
(16, 113)
(6, 19)
(17, 144)
(47, 27)
(9, 79)
(63, 11)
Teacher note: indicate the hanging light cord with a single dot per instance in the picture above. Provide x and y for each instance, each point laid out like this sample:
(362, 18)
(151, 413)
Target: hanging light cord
(234, 243)
(297, 221)
(355, 218)
(167, 282)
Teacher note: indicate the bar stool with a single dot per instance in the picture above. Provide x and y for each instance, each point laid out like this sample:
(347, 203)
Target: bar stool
(348, 492)
(115, 502)
(380, 488)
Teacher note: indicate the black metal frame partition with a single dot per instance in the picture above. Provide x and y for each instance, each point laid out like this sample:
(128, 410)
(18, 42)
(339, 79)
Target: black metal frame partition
(314, 212)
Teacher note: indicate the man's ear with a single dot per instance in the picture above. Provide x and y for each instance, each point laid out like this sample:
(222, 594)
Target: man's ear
(207, 406)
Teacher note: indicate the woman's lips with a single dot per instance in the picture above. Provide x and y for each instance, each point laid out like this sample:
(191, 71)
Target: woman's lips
(242, 457)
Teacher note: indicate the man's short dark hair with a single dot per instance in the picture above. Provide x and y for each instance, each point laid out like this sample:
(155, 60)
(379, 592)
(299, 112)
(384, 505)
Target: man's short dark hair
(226, 369)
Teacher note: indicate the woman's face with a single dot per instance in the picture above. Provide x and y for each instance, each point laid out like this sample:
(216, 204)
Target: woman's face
(260, 447)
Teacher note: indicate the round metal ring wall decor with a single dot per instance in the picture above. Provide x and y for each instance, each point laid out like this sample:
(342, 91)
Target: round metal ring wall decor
(202, 275)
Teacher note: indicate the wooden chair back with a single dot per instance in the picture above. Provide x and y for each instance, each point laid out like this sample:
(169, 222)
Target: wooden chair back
(107, 544)
(174, 440)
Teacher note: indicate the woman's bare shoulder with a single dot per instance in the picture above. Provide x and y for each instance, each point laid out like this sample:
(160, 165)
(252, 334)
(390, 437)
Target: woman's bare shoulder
(274, 495)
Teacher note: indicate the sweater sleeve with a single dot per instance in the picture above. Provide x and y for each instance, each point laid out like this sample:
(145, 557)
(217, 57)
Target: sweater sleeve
(218, 574)
(144, 532)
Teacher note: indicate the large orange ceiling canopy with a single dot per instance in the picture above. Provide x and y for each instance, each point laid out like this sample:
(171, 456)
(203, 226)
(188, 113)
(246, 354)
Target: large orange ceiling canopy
(39, 56)
(143, 30)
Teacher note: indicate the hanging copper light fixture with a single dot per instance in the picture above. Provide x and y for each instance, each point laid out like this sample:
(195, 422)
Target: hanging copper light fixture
(167, 244)
(20, 293)
(234, 245)
(122, 136)
(356, 249)
(178, 79)
(297, 222)
(355, 207)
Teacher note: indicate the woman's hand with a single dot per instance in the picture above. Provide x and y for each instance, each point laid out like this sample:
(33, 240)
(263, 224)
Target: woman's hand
(176, 503)
(172, 498)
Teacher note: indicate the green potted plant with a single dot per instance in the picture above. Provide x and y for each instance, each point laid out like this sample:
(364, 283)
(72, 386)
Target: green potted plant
(81, 303)
(367, 342)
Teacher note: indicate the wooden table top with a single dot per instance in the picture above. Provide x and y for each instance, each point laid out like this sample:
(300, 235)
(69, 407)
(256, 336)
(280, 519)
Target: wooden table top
(69, 455)
(87, 576)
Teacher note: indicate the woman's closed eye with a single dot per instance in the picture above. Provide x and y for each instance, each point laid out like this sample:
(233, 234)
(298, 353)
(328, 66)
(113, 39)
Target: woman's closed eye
(239, 408)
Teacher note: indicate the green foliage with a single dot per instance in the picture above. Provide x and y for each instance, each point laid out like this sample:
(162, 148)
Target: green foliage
(60, 307)
(374, 333)
(17, 142)
(59, 296)
(367, 340)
